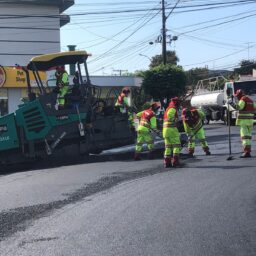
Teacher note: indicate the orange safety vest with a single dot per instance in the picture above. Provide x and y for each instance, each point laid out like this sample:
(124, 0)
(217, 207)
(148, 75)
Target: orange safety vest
(145, 118)
(248, 109)
(120, 99)
(194, 121)
(167, 122)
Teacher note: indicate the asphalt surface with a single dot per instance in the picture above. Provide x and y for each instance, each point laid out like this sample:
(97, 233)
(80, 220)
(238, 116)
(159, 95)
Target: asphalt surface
(207, 207)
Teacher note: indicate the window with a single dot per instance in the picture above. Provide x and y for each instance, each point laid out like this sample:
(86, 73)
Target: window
(249, 87)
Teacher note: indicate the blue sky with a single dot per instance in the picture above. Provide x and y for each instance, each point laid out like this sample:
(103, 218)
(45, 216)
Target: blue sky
(117, 32)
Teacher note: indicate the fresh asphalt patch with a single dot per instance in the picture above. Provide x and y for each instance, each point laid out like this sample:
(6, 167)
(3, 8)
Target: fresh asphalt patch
(19, 219)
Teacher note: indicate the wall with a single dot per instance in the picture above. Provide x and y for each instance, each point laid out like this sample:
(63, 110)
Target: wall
(15, 95)
(23, 38)
(116, 80)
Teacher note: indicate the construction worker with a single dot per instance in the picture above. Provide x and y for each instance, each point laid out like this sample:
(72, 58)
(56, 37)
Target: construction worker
(124, 107)
(193, 126)
(147, 124)
(62, 83)
(246, 108)
(171, 134)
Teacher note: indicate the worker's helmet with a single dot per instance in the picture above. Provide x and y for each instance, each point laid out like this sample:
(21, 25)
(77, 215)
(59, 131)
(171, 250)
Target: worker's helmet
(175, 102)
(59, 71)
(239, 93)
(155, 106)
(126, 90)
(186, 114)
(60, 68)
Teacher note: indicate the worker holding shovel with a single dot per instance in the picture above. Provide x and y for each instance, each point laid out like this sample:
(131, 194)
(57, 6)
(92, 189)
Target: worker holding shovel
(193, 126)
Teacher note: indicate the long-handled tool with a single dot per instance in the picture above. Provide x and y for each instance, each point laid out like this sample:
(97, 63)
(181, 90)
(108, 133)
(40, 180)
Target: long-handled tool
(229, 92)
(157, 133)
(195, 133)
(230, 157)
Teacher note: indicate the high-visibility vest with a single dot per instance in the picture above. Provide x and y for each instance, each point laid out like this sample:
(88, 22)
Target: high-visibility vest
(167, 122)
(145, 118)
(248, 111)
(194, 122)
(120, 99)
(62, 77)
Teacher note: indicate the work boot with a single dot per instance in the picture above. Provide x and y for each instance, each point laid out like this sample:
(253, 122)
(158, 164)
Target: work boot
(137, 156)
(176, 161)
(246, 155)
(247, 152)
(207, 151)
(167, 162)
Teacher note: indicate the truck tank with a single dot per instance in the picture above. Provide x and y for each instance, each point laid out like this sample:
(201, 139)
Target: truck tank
(215, 99)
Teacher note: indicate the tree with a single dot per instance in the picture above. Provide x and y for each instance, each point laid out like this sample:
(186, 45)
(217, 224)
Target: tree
(171, 58)
(246, 67)
(139, 98)
(164, 82)
(195, 74)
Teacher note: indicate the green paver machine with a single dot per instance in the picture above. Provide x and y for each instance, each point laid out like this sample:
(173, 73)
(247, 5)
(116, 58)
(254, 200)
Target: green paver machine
(37, 130)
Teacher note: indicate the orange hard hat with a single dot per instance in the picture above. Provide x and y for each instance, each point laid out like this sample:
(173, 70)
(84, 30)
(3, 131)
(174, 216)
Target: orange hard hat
(239, 93)
(126, 90)
(155, 105)
(175, 99)
(60, 68)
(175, 102)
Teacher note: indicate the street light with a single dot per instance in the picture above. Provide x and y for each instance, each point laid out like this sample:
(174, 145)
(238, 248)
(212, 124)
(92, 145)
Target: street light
(162, 40)
(145, 56)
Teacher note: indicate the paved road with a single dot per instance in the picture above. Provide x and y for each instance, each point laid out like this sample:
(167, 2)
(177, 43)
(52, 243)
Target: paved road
(134, 208)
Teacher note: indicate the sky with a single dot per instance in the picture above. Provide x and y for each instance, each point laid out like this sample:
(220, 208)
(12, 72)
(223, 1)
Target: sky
(217, 34)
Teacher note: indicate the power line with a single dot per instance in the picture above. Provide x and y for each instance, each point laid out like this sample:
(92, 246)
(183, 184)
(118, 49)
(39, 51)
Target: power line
(218, 24)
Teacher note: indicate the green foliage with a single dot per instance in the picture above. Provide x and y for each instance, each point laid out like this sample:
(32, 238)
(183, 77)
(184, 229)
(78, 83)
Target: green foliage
(164, 82)
(171, 58)
(246, 67)
(139, 98)
(146, 105)
(195, 74)
(136, 73)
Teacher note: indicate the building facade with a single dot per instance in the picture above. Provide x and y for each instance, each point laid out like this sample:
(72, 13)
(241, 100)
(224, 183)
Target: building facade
(28, 28)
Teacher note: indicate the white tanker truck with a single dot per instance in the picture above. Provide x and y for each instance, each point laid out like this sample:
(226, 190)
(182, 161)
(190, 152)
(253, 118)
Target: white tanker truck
(214, 101)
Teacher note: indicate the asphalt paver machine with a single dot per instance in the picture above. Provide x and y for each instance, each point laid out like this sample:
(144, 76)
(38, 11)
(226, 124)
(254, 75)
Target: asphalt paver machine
(86, 124)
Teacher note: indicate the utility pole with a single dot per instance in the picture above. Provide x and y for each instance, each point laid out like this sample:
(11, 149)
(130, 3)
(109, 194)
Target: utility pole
(163, 32)
(163, 37)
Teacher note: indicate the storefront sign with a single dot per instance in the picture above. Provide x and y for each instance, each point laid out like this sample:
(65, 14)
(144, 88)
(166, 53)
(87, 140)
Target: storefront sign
(16, 78)
(2, 76)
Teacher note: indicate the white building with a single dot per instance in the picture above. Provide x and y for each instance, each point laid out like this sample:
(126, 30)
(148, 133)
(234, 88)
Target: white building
(29, 28)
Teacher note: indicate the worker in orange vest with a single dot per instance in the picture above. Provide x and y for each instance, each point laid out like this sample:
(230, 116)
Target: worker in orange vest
(193, 126)
(123, 105)
(246, 109)
(62, 83)
(171, 134)
(147, 124)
